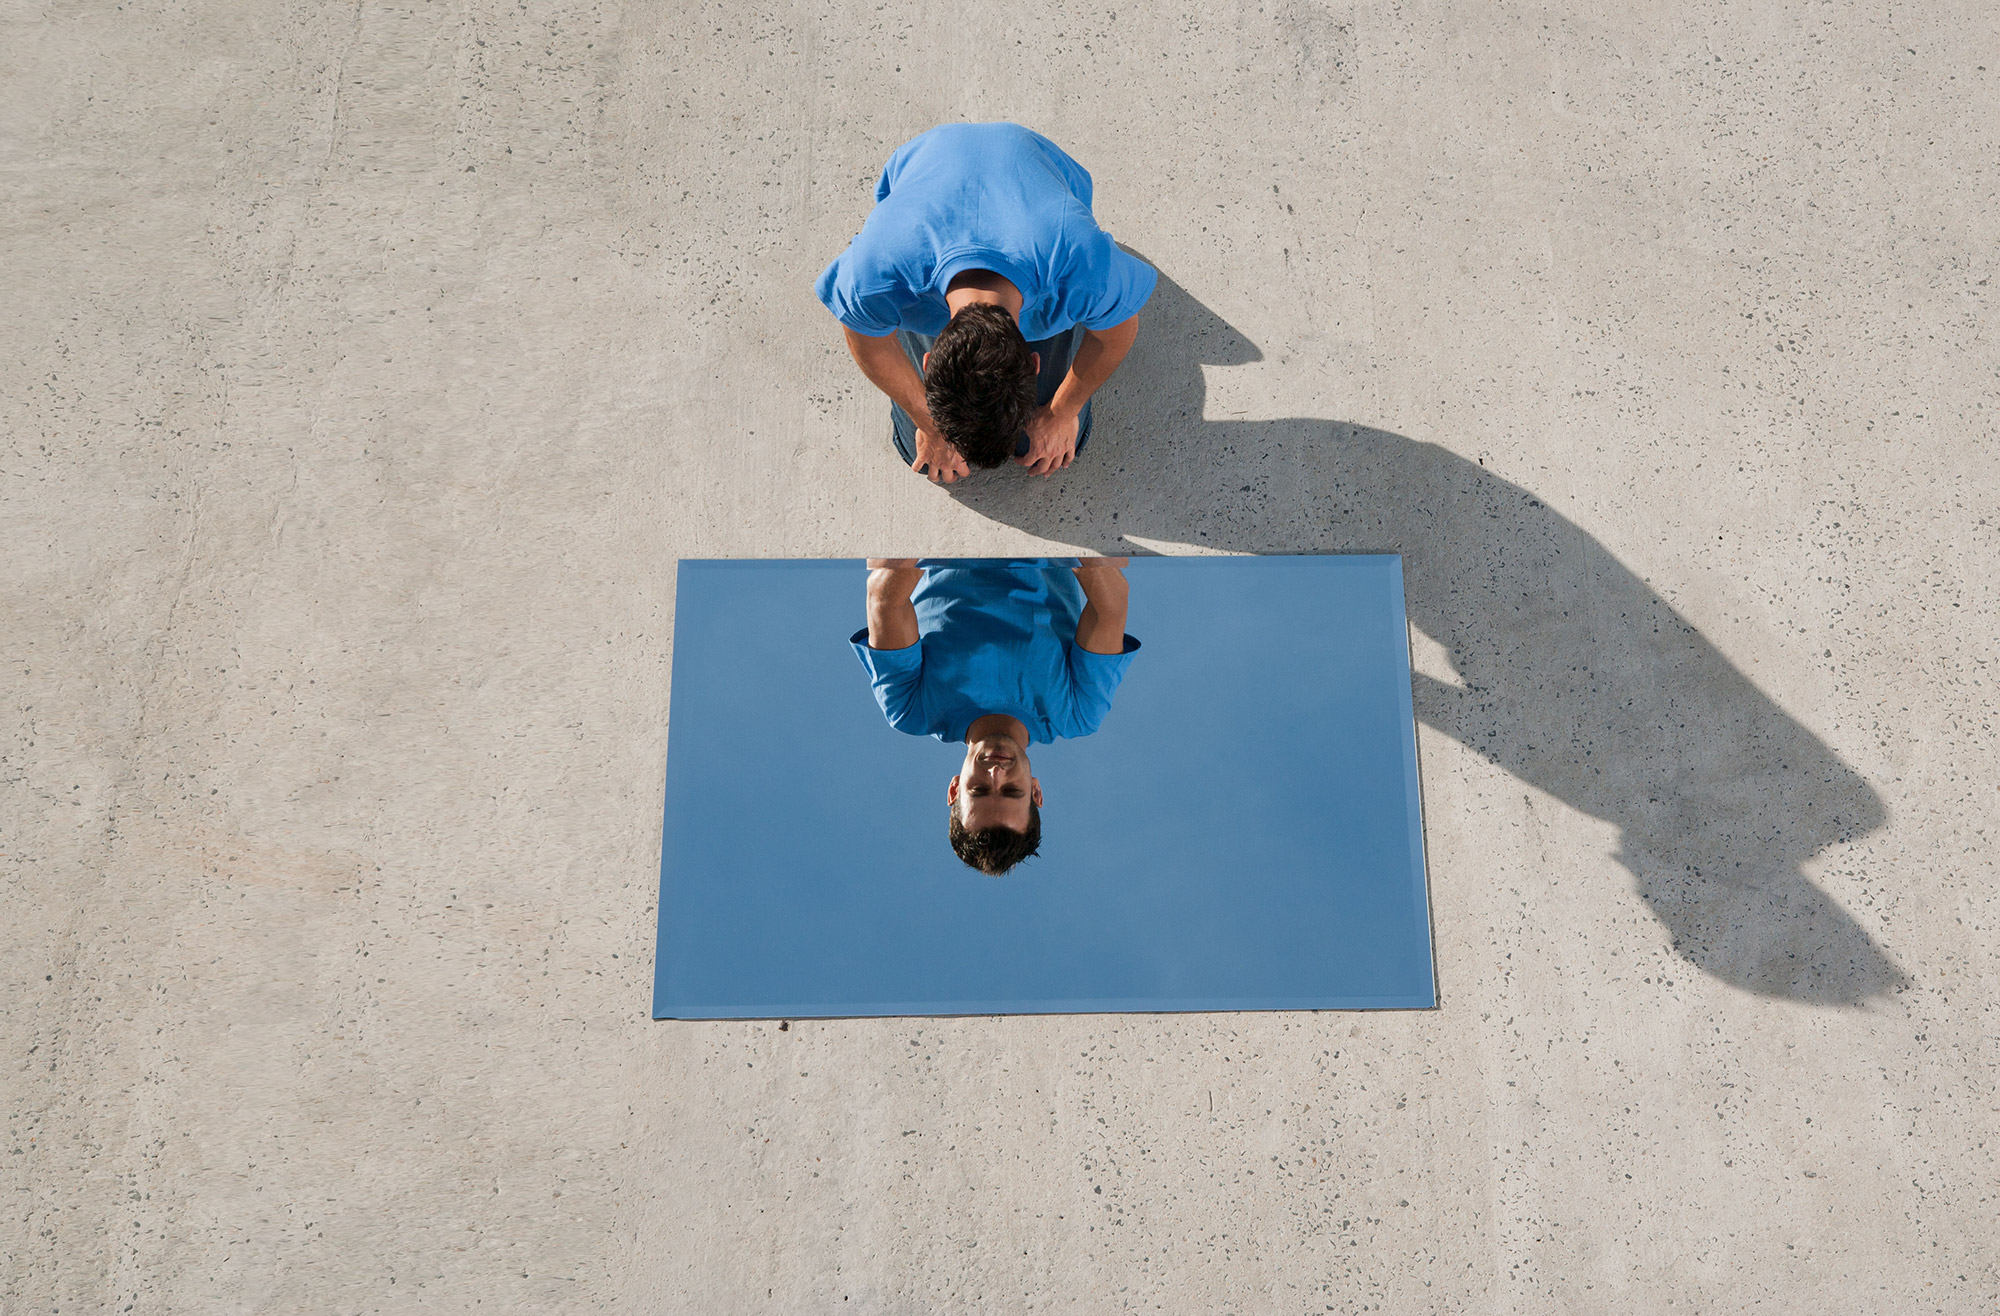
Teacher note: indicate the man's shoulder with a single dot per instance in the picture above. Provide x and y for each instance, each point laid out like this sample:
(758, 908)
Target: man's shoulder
(961, 134)
(974, 147)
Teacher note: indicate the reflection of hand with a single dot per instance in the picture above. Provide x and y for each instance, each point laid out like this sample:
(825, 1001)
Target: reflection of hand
(937, 460)
(890, 563)
(1051, 442)
(1101, 563)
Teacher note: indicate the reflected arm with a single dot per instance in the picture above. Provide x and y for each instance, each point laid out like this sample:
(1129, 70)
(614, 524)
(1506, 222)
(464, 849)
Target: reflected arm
(1101, 628)
(892, 618)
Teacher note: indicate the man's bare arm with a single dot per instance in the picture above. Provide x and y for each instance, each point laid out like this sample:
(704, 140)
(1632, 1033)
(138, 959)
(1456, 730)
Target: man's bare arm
(1101, 628)
(892, 618)
(888, 368)
(1097, 358)
(1052, 430)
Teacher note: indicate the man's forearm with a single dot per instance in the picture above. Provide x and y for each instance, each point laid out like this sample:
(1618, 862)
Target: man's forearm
(1101, 628)
(892, 618)
(888, 368)
(1097, 359)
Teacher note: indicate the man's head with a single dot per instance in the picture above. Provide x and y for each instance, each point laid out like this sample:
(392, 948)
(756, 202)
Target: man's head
(996, 806)
(979, 383)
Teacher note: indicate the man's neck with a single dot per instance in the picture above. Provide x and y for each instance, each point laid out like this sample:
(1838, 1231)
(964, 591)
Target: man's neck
(997, 724)
(974, 287)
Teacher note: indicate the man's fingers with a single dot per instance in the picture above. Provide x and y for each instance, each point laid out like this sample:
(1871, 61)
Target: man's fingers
(944, 462)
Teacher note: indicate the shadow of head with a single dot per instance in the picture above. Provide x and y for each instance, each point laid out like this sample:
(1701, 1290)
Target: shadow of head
(1572, 673)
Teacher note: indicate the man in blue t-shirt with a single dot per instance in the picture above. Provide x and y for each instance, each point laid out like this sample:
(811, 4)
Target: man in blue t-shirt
(983, 298)
(997, 653)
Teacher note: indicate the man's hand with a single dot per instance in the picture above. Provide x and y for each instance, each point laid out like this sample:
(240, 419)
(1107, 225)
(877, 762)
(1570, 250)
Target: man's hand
(937, 460)
(1051, 441)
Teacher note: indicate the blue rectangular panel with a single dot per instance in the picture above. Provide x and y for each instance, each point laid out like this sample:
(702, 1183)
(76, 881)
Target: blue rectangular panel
(1243, 832)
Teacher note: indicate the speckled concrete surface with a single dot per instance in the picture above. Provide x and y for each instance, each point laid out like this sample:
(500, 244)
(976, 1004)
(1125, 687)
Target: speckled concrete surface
(367, 368)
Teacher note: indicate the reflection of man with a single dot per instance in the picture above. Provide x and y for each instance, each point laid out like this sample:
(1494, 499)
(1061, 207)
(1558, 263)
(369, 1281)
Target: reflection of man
(995, 653)
(982, 267)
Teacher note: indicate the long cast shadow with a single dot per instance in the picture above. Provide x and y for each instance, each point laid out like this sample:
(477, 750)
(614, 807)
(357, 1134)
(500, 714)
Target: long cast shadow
(1574, 675)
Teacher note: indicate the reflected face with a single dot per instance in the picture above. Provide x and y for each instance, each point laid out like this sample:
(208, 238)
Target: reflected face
(993, 788)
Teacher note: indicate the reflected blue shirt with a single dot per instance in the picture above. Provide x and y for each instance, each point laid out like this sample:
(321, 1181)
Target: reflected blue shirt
(983, 196)
(996, 635)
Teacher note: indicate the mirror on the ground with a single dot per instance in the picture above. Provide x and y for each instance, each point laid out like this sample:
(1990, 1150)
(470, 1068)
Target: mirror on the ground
(995, 785)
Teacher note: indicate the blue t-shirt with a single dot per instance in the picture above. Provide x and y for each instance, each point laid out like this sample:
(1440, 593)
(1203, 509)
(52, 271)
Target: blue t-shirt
(983, 196)
(996, 635)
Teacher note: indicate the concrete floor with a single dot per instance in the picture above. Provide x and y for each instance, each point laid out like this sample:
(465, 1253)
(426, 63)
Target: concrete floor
(367, 368)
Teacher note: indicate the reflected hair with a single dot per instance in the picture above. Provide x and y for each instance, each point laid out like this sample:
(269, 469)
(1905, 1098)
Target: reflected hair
(994, 850)
(980, 384)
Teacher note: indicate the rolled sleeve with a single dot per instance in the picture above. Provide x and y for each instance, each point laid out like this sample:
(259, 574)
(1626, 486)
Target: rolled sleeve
(1093, 679)
(896, 676)
(1121, 288)
(875, 314)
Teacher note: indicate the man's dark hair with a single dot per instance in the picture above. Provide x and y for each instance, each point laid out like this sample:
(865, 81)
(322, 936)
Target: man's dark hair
(994, 850)
(980, 383)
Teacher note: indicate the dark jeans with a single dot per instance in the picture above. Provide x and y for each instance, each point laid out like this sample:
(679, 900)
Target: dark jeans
(1056, 353)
